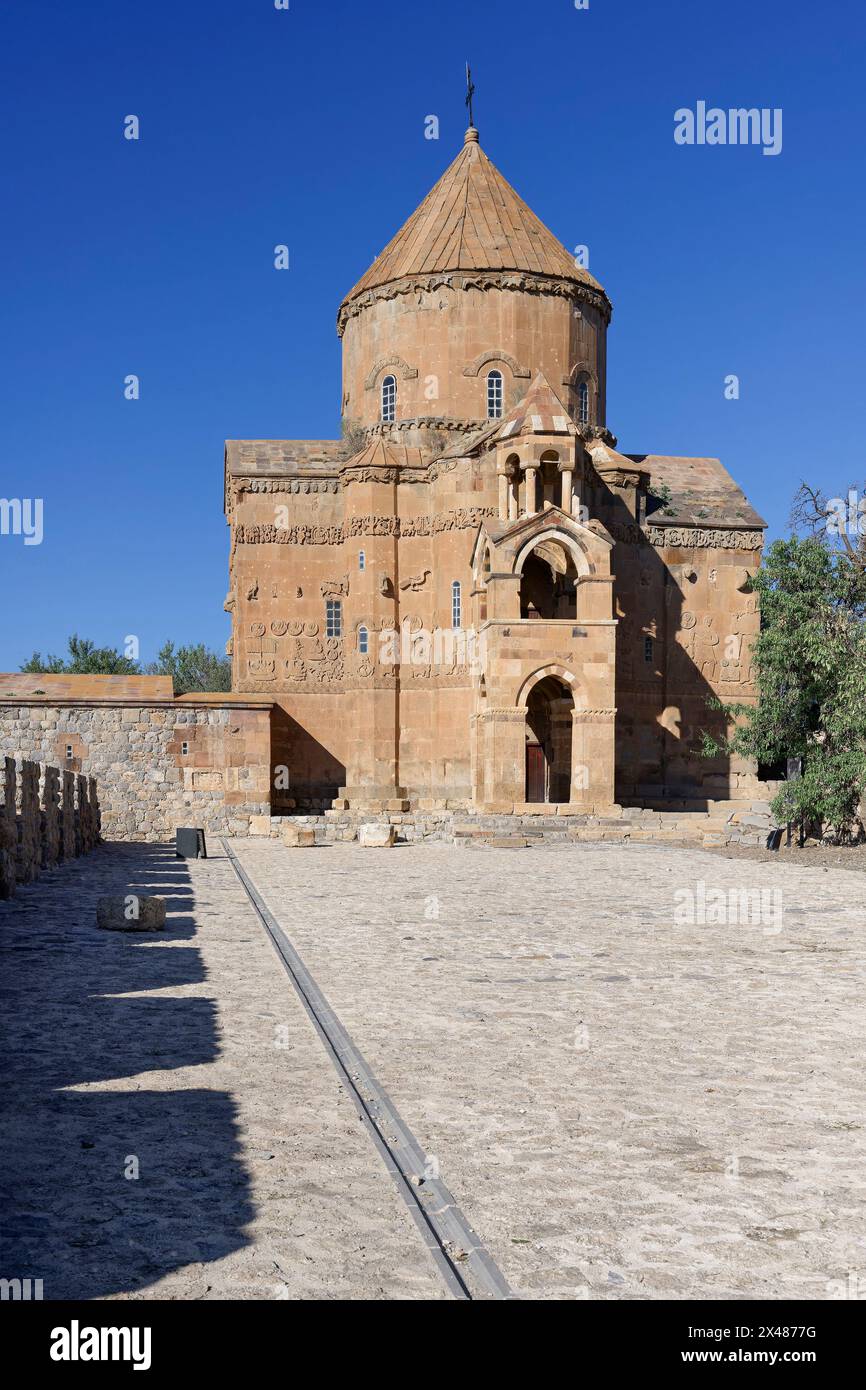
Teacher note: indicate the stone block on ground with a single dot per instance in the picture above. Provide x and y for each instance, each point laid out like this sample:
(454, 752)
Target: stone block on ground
(375, 836)
(260, 825)
(297, 837)
(131, 912)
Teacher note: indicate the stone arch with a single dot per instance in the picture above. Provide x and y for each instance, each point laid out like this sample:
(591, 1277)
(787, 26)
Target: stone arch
(483, 562)
(551, 669)
(555, 535)
(474, 368)
(581, 369)
(406, 372)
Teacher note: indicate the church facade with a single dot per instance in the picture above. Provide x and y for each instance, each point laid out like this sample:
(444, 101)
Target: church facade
(473, 599)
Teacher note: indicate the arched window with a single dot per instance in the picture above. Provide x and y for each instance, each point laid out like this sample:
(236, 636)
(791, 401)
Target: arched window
(363, 641)
(494, 395)
(456, 605)
(362, 560)
(583, 403)
(389, 399)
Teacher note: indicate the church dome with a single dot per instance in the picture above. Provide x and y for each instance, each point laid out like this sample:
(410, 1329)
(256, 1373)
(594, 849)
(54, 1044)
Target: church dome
(471, 298)
(472, 220)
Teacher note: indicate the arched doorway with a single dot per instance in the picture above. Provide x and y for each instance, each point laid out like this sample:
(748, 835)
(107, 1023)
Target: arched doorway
(547, 582)
(549, 711)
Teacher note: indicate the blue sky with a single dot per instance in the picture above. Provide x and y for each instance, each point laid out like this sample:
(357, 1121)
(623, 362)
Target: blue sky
(306, 127)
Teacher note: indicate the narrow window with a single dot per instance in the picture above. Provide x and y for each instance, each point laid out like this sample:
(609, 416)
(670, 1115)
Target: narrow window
(184, 749)
(583, 403)
(68, 751)
(647, 649)
(456, 605)
(389, 399)
(362, 560)
(333, 618)
(363, 641)
(494, 396)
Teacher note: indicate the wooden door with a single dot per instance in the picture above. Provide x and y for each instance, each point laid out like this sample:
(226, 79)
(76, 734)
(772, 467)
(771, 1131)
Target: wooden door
(534, 772)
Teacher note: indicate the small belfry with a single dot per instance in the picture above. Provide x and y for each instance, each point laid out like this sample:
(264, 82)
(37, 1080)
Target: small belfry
(473, 599)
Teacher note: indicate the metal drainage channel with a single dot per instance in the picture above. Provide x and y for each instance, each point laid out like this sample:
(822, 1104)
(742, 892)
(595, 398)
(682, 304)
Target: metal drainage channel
(467, 1269)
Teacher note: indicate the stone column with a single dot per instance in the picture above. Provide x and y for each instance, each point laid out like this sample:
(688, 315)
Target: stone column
(513, 495)
(504, 474)
(503, 752)
(29, 823)
(8, 830)
(67, 815)
(95, 812)
(567, 470)
(592, 759)
(530, 471)
(50, 817)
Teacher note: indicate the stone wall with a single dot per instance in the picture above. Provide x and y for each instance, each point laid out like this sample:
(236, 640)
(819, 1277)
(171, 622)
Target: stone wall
(38, 826)
(159, 763)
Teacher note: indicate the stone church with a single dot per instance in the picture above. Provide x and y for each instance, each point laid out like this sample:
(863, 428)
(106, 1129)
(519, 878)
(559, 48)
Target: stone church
(472, 599)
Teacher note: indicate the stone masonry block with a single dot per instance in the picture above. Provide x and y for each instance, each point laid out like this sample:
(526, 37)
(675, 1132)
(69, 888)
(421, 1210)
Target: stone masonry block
(131, 913)
(377, 836)
(297, 838)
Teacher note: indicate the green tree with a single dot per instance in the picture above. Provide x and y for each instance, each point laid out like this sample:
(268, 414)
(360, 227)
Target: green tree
(810, 668)
(193, 668)
(85, 659)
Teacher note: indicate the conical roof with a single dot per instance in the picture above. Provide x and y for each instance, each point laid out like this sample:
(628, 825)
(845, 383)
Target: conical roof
(472, 220)
(539, 412)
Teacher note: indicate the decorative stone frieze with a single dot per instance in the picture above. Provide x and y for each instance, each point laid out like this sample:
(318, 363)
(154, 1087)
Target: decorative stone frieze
(460, 519)
(522, 281)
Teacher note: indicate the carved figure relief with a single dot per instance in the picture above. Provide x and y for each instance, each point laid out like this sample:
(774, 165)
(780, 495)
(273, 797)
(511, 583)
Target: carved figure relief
(415, 581)
(332, 588)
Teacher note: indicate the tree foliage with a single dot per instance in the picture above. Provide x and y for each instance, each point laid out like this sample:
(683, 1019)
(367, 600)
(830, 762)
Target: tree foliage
(191, 668)
(85, 659)
(810, 667)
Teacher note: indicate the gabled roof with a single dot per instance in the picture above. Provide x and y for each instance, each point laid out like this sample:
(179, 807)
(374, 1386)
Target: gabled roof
(381, 453)
(472, 220)
(280, 456)
(702, 492)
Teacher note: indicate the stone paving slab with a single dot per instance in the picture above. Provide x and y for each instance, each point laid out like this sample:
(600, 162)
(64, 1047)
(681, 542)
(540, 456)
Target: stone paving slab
(191, 1057)
(626, 1105)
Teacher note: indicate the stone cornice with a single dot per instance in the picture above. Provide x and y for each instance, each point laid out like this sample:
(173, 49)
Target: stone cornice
(423, 422)
(519, 280)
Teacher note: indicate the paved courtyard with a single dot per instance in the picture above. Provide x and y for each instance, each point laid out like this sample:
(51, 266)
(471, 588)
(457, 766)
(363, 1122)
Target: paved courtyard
(626, 1100)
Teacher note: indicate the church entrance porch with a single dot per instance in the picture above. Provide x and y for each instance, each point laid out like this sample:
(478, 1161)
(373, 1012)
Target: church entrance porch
(549, 717)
